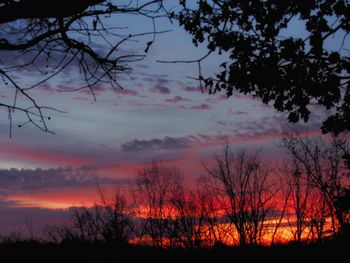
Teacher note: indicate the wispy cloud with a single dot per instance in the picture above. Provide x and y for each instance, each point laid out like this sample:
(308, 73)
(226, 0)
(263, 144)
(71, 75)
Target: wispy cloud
(177, 99)
(129, 92)
(30, 179)
(222, 123)
(203, 106)
(11, 150)
(236, 112)
(156, 144)
(194, 89)
(160, 90)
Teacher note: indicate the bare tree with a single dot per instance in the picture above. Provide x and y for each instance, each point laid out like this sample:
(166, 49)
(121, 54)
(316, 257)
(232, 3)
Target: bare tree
(299, 201)
(111, 221)
(158, 184)
(218, 229)
(320, 162)
(190, 219)
(280, 205)
(116, 218)
(317, 215)
(49, 38)
(242, 183)
(87, 223)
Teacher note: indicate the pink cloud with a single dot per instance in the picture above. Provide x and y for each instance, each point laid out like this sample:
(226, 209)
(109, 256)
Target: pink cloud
(223, 123)
(216, 98)
(160, 90)
(21, 152)
(129, 92)
(177, 99)
(46, 87)
(96, 90)
(195, 89)
(201, 107)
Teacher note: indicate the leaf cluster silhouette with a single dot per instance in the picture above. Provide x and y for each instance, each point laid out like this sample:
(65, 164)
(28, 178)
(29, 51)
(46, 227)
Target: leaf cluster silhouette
(274, 63)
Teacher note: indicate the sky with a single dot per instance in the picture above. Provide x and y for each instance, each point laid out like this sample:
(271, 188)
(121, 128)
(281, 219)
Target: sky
(160, 114)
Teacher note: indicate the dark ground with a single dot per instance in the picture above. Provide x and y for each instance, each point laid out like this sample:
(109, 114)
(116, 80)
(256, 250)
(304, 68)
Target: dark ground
(33, 251)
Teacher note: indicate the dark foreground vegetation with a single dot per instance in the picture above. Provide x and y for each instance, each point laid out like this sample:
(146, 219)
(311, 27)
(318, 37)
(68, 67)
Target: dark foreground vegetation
(34, 251)
(242, 208)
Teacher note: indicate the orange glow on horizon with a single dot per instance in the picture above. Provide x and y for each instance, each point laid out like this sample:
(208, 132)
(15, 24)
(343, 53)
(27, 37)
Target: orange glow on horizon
(59, 198)
(65, 198)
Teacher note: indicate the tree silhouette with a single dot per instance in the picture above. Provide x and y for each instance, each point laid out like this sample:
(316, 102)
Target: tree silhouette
(109, 222)
(47, 38)
(190, 218)
(241, 182)
(158, 185)
(267, 58)
(320, 163)
(300, 191)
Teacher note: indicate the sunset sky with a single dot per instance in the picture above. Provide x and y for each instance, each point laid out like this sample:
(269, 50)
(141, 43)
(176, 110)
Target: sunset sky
(160, 114)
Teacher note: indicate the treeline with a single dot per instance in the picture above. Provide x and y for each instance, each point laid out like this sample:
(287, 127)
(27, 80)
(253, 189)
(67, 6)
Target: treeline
(241, 199)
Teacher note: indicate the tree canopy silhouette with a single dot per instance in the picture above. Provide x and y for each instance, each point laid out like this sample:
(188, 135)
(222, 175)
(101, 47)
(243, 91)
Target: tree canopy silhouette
(292, 68)
(46, 38)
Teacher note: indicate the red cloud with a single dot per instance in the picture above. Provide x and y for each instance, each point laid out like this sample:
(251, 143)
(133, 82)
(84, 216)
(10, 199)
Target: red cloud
(21, 152)
(57, 198)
